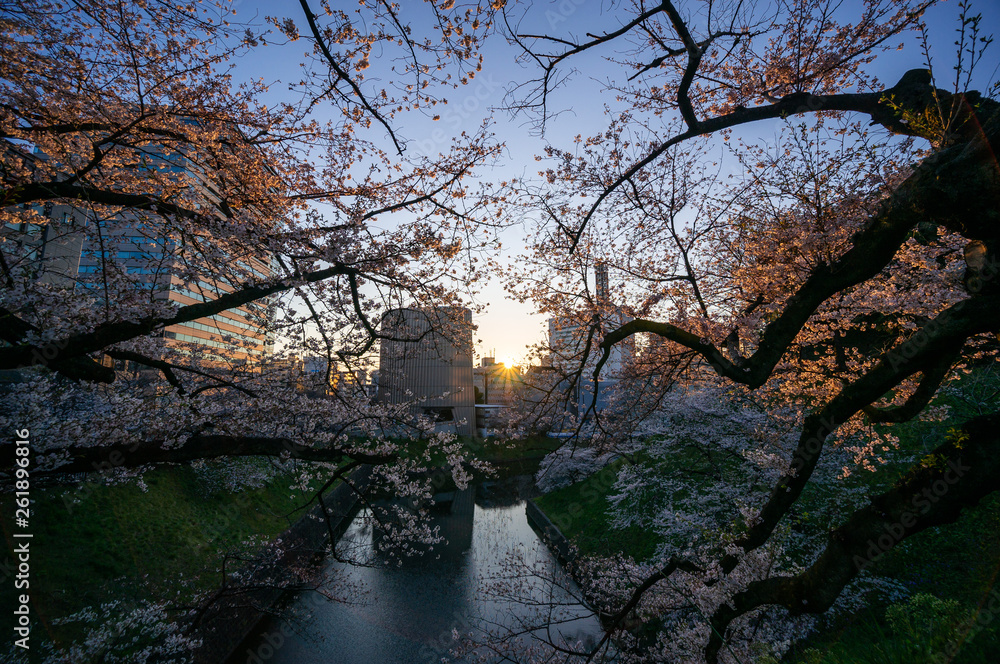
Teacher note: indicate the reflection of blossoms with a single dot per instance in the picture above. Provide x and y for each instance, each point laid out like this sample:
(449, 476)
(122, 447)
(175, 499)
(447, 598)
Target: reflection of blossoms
(535, 605)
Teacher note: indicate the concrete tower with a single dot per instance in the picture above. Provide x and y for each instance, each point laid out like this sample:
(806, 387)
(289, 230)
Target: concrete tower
(428, 361)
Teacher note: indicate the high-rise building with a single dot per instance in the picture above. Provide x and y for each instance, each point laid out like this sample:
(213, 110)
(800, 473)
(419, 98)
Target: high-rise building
(51, 246)
(568, 336)
(132, 255)
(568, 342)
(239, 334)
(601, 283)
(427, 362)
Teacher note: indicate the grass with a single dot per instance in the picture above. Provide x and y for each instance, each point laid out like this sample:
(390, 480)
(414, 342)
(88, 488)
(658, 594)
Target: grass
(958, 562)
(532, 448)
(580, 512)
(493, 450)
(120, 542)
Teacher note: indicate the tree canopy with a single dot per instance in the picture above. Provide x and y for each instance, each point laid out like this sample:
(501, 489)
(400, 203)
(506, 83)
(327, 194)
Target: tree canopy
(124, 128)
(838, 274)
(809, 249)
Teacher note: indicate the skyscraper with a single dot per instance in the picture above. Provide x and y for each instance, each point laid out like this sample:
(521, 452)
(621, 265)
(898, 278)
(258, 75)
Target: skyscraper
(427, 362)
(126, 260)
(568, 342)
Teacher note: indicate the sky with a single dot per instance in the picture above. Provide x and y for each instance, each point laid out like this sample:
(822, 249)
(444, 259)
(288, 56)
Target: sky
(507, 327)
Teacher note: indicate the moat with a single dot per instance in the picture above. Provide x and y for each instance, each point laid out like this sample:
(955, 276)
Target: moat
(409, 610)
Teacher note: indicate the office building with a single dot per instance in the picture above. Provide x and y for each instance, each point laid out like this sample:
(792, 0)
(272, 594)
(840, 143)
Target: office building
(427, 363)
(568, 342)
(131, 259)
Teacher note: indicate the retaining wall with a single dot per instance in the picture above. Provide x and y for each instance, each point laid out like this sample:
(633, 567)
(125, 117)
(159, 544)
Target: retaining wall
(236, 610)
(551, 535)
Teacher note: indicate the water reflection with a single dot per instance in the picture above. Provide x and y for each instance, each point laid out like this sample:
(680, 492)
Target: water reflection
(407, 612)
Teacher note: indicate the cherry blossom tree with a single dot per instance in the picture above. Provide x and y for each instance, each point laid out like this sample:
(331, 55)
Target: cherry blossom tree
(305, 209)
(779, 223)
(300, 206)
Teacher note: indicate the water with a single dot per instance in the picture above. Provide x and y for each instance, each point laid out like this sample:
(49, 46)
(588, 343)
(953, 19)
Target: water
(407, 613)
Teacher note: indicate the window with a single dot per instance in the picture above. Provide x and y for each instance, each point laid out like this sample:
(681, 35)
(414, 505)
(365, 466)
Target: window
(141, 255)
(440, 414)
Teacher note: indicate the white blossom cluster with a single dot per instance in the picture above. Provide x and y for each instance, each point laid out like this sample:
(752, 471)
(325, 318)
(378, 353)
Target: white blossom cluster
(697, 474)
(120, 633)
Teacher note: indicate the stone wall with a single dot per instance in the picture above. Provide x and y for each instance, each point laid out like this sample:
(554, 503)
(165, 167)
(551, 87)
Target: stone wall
(294, 557)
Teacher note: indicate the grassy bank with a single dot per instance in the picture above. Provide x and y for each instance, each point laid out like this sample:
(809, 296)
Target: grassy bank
(94, 544)
(957, 565)
(531, 448)
(507, 458)
(580, 512)
(492, 450)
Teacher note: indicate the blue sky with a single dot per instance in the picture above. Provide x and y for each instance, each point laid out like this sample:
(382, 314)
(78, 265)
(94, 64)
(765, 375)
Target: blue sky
(508, 326)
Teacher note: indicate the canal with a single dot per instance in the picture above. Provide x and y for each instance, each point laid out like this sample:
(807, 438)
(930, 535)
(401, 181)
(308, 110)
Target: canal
(407, 611)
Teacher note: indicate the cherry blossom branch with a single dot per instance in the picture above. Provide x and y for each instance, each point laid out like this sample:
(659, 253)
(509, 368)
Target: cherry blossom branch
(344, 76)
(700, 345)
(883, 107)
(13, 330)
(83, 459)
(694, 53)
(395, 207)
(613, 622)
(66, 190)
(168, 369)
(942, 337)
(955, 476)
(90, 126)
(552, 61)
(931, 379)
(111, 333)
(940, 189)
